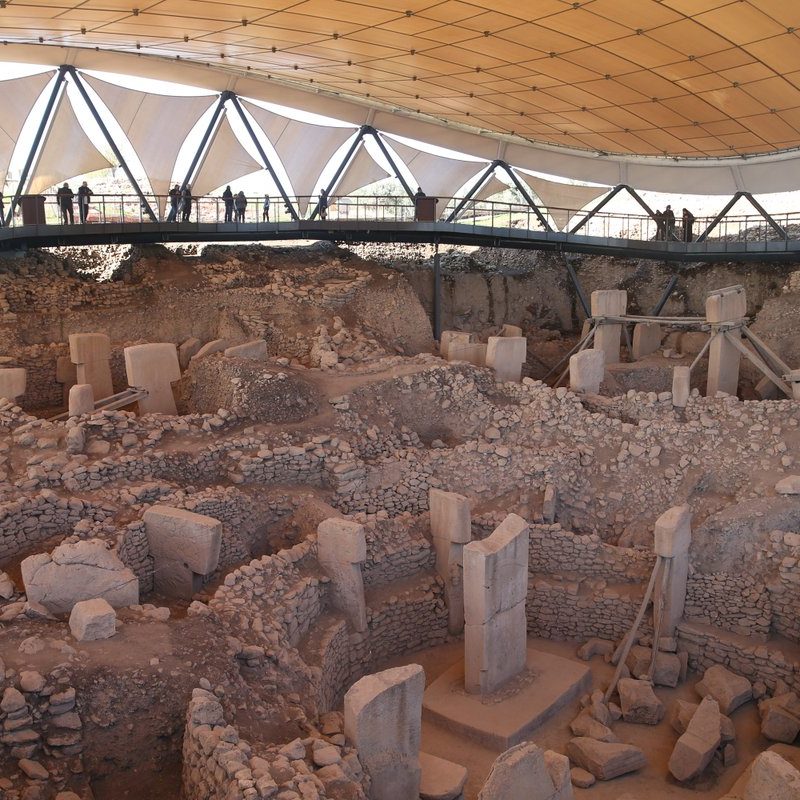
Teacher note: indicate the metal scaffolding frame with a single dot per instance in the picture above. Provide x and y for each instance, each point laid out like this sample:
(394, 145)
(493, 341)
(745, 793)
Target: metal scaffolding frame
(730, 204)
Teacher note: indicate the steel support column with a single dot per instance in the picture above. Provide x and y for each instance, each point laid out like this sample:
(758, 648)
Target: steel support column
(525, 193)
(37, 140)
(664, 297)
(437, 294)
(267, 165)
(388, 156)
(582, 299)
(73, 73)
(471, 193)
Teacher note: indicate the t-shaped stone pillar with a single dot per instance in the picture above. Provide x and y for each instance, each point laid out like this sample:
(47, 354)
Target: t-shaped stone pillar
(495, 589)
(681, 386)
(91, 354)
(185, 547)
(673, 536)
(13, 381)
(646, 339)
(614, 303)
(66, 374)
(341, 549)
(724, 307)
(153, 367)
(81, 400)
(448, 337)
(451, 529)
(506, 355)
(383, 719)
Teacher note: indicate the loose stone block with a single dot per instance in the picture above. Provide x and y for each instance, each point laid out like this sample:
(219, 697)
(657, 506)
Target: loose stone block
(188, 349)
(681, 386)
(153, 367)
(495, 589)
(727, 688)
(91, 354)
(92, 619)
(341, 549)
(78, 571)
(772, 777)
(81, 400)
(383, 720)
(451, 337)
(185, 547)
(13, 381)
(646, 339)
(510, 330)
(506, 355)
(609, 302)
(788, 485)
(605, 760)
(586, 371)
(451, 530)
(526, 772)
(724, 306)
(441, 779)
(214, 346)
(255, 350)
(639, 702)
(696, 747)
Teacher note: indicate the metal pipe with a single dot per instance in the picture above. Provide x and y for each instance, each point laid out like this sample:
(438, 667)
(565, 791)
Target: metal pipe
(37, 139)
(437, 294)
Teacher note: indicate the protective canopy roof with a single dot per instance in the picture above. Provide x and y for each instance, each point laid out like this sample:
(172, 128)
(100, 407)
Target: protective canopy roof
(563, 200)
(646, 77)
(361, 171)
(65, 135)
(16, 99)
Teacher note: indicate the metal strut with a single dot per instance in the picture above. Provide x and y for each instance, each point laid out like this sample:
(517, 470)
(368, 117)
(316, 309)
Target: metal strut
(37, 140)
(218, 111)
(730, 204)
(340, 169)
(110, 140)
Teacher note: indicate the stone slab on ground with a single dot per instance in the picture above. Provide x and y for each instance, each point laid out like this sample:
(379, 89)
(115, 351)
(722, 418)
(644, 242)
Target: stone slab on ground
(92, 619)
(255, 350)
(586, 725)
(526, 772)
(696, 747)
(727, 688)
(772, 775)
(509, 716)
(668, 665)
(605, 760)
(441, 779)
(639, 702)
(582, 778)
(780, 718)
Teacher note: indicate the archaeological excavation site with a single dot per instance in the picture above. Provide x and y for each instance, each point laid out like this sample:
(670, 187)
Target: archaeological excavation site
(264, 535)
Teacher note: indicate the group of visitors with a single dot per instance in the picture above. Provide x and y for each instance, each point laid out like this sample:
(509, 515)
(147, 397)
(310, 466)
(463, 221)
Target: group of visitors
(64, 199)
(236, 204)
(665, 225)
(180, 203)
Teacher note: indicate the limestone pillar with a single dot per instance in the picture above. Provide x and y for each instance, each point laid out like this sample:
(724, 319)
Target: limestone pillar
(451, 529)
(723, 308)
(67, 375)
(154, 367)
(495, 589)
(646, 339)
(681, 386)
(341, 549)
(91, 354)
(81, 400)
(586, 371)
(511, 330)
(451, 337)
(506, 355)
(185, 548)
(473, 352)
(609, 302)
(383, 720)
(673, 536)
(13, 382)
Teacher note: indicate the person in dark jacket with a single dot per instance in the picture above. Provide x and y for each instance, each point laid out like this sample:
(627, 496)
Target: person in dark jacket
(174, 202)
(227, 196)
(186, 203)
(241, 205)
(669, 223)
(84, 193)
(688, 224)
(658, 216)
(64, 197)
(323, 204)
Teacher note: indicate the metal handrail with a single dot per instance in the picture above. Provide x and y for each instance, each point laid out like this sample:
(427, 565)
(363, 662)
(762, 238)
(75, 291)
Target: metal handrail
(109, 209)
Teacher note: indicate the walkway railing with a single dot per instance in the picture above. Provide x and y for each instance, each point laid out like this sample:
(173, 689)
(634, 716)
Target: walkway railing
(497, 216)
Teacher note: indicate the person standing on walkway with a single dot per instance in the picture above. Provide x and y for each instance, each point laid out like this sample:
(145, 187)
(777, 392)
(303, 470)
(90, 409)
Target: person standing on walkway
(84, 193)
(241, 205)
(265, 209)
(64, 197)
(227, 196)
(669, 223)
(658, 216)
(323, 204)
(186, 203)
(688, 224)
(174, 200)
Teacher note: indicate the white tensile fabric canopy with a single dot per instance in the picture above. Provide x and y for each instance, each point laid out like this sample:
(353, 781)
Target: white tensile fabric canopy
(493, 186)
(16, 99)
(361, 171)
(64, 136)
(562, 200)
(303, 148)
(156, 126)
(437, 176)
(224, 160)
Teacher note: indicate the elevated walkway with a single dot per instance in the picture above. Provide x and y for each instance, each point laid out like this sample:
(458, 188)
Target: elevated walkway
(22, 237)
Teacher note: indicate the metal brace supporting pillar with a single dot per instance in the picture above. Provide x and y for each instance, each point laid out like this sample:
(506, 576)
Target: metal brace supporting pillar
(111, 143)
(582, 299)
(267, 165)
(656, 312)
(37, 141)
